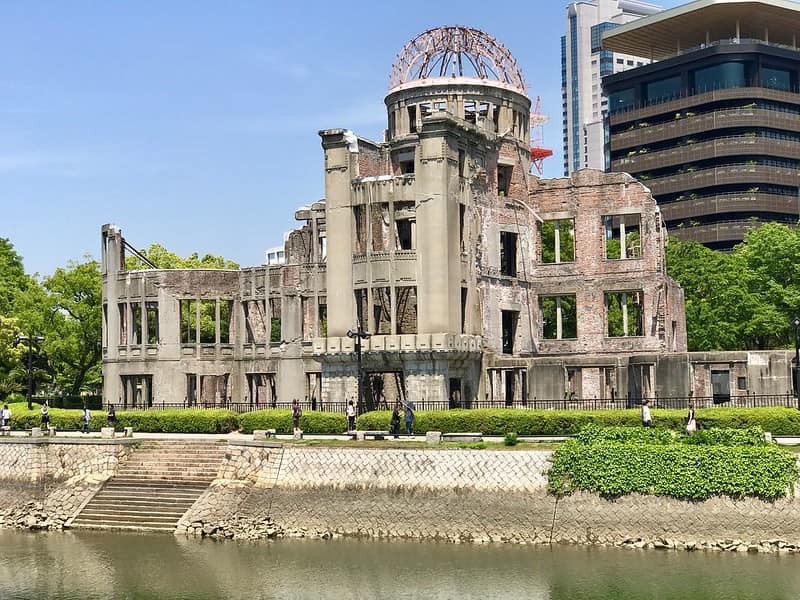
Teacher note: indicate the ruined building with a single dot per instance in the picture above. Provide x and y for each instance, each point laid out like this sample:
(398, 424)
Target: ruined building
(477, 281)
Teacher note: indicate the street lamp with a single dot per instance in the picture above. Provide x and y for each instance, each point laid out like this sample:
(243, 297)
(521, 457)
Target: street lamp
(796, 365)
(358, 335)
(30, 339)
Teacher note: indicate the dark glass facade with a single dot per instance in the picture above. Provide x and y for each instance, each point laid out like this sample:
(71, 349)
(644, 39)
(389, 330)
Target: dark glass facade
(715, 135)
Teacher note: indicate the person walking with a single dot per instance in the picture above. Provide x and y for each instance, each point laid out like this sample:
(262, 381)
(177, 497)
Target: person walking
(394, 424)
(45, 416)
(409, 408)
(5, 415)
(351, 417)
(297, 412)
(111, 416)
(86, 417)
(647, 420)
(691, 421)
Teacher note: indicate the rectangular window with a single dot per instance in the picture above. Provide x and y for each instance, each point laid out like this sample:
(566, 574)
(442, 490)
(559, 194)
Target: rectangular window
(208, 321)
(720, 77)
(663, 90)
(721, 385)
(504, 173)
(152, 322)
(188, 321)
(323, 320)
(382, 310)
(463, 310)
(509, 323)
(508, 254)
(557, 241)
(776, 79)
(412, 119)
(559, 317)
(622, 236)
(406, 309)
(225, 321)
(470, 111)
(405, 238)
(275, 333)
(621, 100)
(123, 323)
(624, 314)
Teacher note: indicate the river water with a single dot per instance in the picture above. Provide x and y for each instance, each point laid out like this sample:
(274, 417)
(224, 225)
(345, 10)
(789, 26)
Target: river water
(85, 565)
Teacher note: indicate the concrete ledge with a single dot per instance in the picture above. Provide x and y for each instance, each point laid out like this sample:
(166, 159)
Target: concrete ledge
(462, 437)
(263, 434)
(26, 440)
(376, 435)
(107, 432)
(255, 444)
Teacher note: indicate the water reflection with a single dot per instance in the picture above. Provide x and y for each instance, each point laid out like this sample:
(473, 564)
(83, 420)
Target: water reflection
(82, 565)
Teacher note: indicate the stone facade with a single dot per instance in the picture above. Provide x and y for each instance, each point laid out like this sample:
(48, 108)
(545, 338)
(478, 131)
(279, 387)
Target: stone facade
(466, 270)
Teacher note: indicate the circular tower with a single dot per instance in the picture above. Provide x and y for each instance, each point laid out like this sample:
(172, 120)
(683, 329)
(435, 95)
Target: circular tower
(462, 71)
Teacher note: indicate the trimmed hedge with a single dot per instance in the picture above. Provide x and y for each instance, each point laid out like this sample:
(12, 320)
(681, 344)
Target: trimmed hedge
(685, 467)
(152, 421)
(779, 420)
(753, 436)
(281, 421)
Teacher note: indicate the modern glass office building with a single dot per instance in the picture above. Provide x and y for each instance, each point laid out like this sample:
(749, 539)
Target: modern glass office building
(712, 125)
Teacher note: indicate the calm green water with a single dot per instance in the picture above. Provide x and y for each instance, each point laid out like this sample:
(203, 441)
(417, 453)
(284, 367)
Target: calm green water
(88, 565)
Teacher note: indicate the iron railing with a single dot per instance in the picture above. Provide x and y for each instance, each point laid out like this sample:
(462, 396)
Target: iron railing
(682, 402)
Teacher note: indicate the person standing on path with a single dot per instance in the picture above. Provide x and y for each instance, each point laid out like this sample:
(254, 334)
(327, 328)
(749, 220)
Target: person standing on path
(86, 417)
(409, 408)
(5, 415)
(111, 416)
(691, 421)
(351, 416)
(45, 416)
(394, 424)
(297, 412)
(647, 420)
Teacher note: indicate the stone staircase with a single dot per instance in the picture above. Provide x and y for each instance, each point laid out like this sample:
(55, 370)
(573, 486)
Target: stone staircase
(154, 487)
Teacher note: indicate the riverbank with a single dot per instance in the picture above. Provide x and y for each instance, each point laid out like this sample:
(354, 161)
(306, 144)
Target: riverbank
(269, 490)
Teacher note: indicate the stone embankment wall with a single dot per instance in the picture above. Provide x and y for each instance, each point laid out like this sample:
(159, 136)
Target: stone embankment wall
(44, 482)
(459, 496)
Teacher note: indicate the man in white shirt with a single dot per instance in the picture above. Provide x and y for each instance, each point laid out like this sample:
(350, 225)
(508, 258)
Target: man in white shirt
(647, 420)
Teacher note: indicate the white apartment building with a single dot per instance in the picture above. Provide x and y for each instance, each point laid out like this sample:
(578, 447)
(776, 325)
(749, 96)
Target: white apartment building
(583, 64)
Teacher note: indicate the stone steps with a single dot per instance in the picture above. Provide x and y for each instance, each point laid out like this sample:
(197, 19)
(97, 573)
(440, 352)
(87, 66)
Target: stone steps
(153, 489)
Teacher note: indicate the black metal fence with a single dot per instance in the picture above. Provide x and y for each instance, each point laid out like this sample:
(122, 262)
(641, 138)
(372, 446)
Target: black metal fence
(742, 401)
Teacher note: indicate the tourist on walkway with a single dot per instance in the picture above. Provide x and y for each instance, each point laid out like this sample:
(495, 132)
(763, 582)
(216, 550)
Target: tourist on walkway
(691, 422)
(111, 417)
(647, 420)
(45, 416)
(394, 424)
(351, 416)
(297, 412)
(409, 408)
(5, 415)
(86, 417)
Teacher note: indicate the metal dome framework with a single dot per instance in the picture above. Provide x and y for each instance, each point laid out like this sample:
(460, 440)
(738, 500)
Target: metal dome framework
(456, 51)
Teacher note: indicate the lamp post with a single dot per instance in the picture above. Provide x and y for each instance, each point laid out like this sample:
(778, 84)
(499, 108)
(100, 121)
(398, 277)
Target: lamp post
(796, 365)
(358, 335)
(30, 340)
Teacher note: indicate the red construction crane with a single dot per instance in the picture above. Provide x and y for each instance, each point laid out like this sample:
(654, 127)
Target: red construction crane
(538, 151)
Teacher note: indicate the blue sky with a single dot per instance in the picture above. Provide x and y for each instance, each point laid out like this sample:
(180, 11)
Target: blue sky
(194, 124)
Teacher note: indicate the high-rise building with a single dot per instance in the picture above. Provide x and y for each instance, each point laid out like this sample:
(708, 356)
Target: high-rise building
(711, 126)
(583, 64)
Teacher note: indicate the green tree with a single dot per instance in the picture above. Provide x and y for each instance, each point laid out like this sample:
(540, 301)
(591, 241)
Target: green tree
(164, 259)
(12, 276)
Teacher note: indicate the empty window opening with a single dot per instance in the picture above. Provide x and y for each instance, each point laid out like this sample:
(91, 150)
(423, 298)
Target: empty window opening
(136, 324)
(225, 309)
(208, 321)
(188, 321)
(608, 383)
(622, 235)
(508, 253)
(462, 159)
(412, 118)
(405, 234)
(261, 389)
(509, 324)
(137, 391)
(255, 324)
(275, 334)
(504, 173)
(380, 226)
(572, 387)
(104, 330)
(425, 110)
(510, 385)
(462, 210)
(361, 308)
(323, 320)
(483, 109)
(406, 309)
(360, 225)
(382, 390)
(407, 167)
(213, 390)
(440, 105)
(559, 317)
(455, 396)
(470, 111)
(624, 313)
(123, 323)
(382, 310)
(151, 309)
(463, 310)
(558, 241)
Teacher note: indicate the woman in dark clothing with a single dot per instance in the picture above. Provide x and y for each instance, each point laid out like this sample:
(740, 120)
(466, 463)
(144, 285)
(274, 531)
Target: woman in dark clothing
(112, 416)
(395, 422)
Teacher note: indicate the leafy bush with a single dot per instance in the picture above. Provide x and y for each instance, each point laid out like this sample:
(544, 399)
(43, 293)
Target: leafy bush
(176, 421)
(63, 419)
(686, 467)
(281, 421)
(779, 421)
(510, 439)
